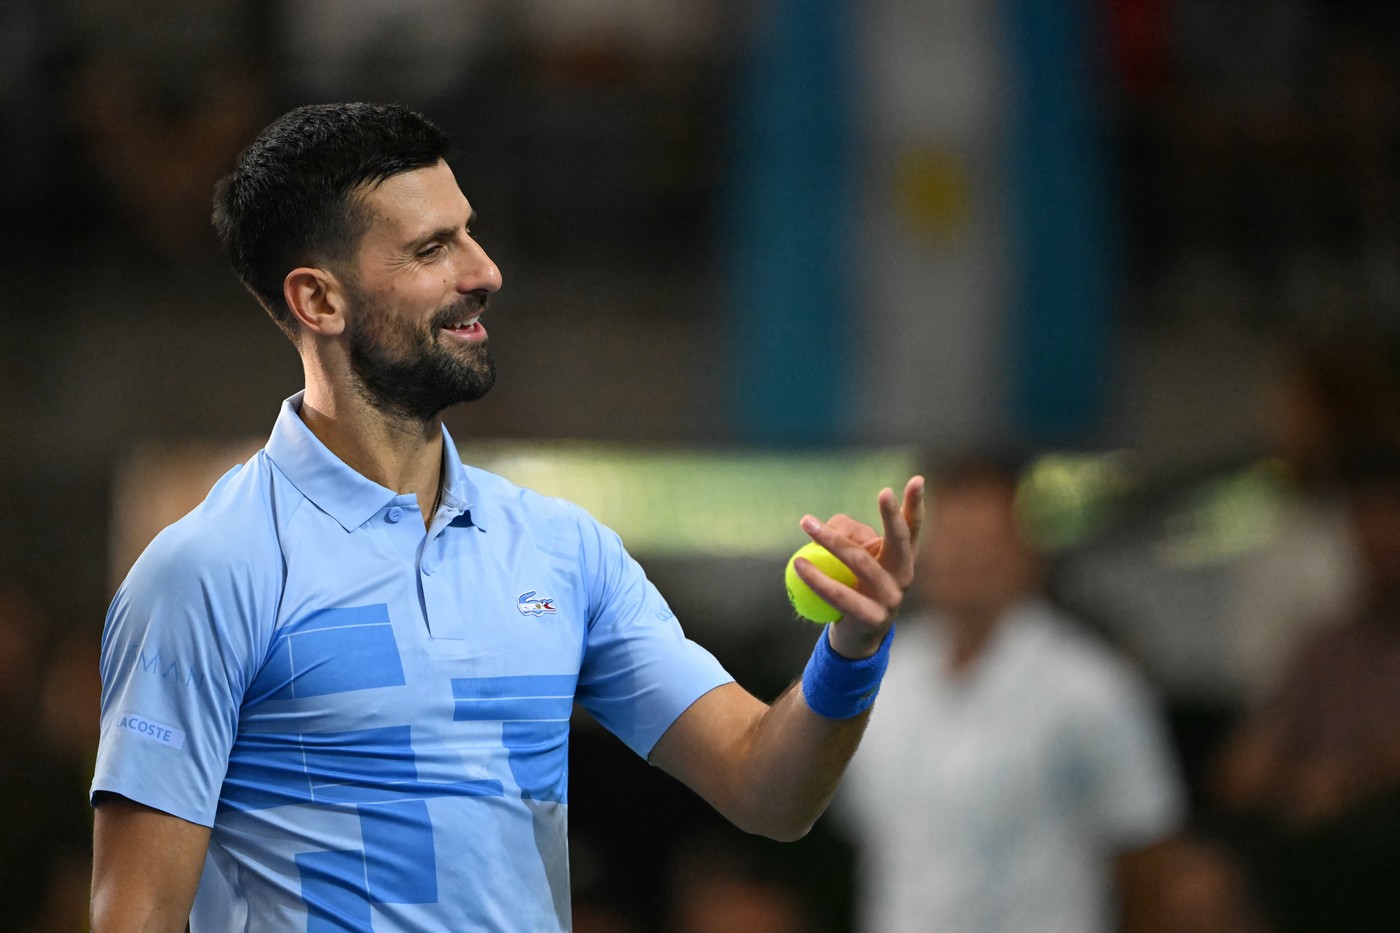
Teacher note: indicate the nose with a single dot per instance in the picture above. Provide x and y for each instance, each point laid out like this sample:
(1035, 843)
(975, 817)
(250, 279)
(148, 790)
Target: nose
(478, 272)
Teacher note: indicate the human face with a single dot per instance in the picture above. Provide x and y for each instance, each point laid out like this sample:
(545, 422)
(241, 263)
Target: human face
(418, 289)
(1375, 519)
(975, 559)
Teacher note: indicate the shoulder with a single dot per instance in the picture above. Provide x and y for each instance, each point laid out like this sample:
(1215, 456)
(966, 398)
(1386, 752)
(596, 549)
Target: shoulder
(231, 535)
(551, 520)
(495, 492)
(1079, 664)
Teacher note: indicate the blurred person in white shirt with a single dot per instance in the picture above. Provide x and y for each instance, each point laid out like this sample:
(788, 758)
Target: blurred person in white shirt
(1016, 775)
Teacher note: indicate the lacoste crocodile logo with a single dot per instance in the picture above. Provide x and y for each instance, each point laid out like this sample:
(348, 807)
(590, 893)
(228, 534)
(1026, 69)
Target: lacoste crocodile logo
(531, 605)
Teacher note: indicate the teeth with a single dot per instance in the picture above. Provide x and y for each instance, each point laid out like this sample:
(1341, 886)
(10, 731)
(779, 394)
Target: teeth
(467, 323)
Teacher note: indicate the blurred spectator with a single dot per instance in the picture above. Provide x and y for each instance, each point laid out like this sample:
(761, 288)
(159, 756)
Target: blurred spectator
(44, 845)
(69, 714)
(717, 886)
(24, 775)
(1314, 771)
(71, 701)
(64, 908)
(160, 131)
(20, 631)
(597, 906)
(1015, 776)
(411, 53)
(1329, 398)
(597, 917)
(161, 95)
(28, 125)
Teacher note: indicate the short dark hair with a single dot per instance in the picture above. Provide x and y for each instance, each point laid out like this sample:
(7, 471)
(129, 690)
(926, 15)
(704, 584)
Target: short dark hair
(291, 199)
(978, 469)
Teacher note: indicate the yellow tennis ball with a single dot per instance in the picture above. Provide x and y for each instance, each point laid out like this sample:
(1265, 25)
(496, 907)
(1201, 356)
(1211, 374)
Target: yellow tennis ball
(808, 604)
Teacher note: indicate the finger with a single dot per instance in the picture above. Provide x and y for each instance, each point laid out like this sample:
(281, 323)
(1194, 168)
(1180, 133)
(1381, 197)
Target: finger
(897, 553)
(914, 508)
(847, 540)
(871, 577)
(859, 532)
(851, 603)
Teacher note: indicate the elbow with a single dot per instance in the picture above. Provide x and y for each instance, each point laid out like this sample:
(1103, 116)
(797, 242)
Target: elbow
(783, 814)
(105, 915)
(788, 833)
(780, 827)
(101, 907)
(112, 909)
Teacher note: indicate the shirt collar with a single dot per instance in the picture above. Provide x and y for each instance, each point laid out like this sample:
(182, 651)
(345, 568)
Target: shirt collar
(1020, 630)
(337, 489)
(458, 491)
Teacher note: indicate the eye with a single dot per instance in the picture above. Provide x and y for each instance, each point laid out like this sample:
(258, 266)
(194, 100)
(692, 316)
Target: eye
(431, 250)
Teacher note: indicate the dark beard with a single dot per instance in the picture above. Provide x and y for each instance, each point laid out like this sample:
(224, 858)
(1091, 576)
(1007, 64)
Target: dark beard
(410, 375)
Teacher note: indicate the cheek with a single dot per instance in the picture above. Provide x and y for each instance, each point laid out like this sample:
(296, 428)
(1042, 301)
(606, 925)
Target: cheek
(953, 566)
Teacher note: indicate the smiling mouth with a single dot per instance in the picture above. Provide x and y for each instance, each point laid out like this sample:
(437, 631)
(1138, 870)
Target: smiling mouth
(466, 329)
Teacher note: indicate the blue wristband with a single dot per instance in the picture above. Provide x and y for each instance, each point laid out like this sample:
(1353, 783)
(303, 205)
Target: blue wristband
(839, 688)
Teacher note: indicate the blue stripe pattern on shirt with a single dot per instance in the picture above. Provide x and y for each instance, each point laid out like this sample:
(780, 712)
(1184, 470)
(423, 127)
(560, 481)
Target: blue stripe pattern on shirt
(534, 711)
(330, 651)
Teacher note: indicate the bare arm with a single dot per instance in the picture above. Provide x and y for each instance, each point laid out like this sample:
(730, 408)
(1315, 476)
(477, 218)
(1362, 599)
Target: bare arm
(769, 770)
(145, 867)
(772, 770)
(1144, 878)
(1180, 883)
(1247, 772)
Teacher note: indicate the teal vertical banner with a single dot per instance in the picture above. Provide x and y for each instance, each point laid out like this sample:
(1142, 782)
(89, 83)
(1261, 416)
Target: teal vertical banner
(785, 227)
(1061, 313)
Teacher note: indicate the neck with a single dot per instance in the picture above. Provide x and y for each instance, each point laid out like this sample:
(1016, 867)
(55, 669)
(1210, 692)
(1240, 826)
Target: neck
(969, 639)
(405, 456)
(970, 630)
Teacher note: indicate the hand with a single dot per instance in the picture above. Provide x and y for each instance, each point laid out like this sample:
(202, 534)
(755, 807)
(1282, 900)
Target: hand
(883, 566)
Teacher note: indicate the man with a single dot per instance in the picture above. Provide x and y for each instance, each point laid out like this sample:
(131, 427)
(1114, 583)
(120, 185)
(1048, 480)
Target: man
(1016, 770)
(336, 695)
(1309, 784)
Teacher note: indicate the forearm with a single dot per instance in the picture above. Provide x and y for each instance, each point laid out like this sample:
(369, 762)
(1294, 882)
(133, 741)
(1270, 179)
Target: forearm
(1248, 770)
(772, 770)
(795, 764)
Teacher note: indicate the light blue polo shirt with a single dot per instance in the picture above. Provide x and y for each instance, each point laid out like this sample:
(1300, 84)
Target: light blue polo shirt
(374, 718)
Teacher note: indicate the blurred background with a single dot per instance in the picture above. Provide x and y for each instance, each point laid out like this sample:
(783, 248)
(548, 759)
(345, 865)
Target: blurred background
(760, 258)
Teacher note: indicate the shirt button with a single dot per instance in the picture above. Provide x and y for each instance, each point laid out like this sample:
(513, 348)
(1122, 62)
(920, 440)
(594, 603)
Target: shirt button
(394, 515)
(427, 569)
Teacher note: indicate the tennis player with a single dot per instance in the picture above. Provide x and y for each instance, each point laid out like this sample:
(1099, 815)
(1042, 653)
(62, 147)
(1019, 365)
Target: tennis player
(336, 696)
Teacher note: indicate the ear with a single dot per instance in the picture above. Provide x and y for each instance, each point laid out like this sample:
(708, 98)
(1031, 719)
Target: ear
(316, 300)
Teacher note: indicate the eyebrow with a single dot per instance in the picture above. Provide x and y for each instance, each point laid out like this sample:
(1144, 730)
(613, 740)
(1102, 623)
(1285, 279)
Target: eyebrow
(442, 233)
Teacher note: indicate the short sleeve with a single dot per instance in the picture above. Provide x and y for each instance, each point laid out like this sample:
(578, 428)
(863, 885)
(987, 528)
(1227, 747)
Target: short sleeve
(180, 646)
(1134, 793)
(639, 670)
